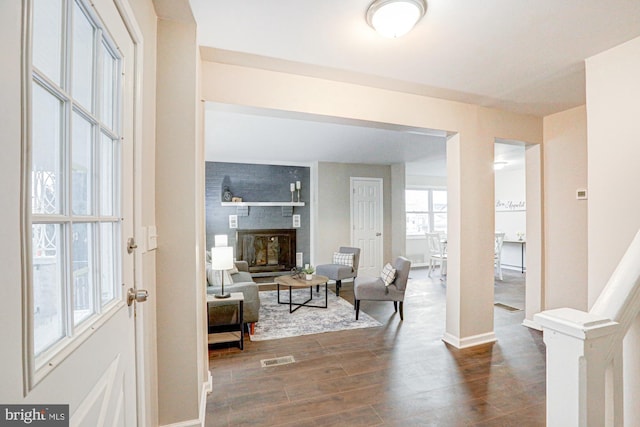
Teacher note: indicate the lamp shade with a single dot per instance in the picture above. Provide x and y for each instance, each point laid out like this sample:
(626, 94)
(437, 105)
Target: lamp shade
(222, 258)
(220, 240)
(395, 18)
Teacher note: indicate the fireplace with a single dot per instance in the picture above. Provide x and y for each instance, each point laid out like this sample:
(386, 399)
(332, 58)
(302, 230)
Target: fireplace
(270, 250)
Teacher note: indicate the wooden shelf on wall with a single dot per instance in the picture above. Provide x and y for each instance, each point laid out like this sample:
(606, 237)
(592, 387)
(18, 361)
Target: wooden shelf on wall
(237, 204)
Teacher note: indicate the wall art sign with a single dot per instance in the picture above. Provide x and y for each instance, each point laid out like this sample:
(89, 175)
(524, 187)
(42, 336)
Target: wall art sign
(510, 205)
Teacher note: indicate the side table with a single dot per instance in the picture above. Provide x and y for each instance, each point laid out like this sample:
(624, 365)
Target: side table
(230, 332)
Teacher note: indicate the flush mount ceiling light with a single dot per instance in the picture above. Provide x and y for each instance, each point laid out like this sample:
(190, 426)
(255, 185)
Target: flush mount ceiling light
(395, 18)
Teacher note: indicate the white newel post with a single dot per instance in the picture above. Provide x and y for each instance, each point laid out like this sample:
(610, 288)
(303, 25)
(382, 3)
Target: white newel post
(578, 354)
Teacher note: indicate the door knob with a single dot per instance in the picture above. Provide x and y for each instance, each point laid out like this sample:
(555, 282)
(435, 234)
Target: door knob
(137, 295)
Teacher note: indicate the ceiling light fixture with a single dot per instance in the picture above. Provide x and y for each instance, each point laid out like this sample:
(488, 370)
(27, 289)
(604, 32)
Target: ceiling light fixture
(395, 18)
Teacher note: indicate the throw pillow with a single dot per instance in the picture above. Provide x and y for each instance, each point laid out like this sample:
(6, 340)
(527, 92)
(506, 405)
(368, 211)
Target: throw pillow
(388, 274)
(343, 259)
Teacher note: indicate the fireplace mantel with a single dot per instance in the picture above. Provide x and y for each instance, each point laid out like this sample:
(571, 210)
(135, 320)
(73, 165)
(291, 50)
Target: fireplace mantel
(261, 203)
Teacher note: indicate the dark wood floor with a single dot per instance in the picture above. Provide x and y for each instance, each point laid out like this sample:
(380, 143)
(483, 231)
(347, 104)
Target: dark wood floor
(399, 374)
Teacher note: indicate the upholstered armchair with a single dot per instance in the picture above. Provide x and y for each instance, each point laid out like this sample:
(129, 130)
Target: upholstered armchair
(344, 266)
(376, 289)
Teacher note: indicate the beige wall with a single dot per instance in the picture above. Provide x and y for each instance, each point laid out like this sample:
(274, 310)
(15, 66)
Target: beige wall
(470, 281)
(565, 217)
(182, 358)
(334, 207)
(613, 123)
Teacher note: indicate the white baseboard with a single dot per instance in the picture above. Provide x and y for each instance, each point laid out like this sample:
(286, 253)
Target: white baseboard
(471, 341)
(531, 324)
(207, 387)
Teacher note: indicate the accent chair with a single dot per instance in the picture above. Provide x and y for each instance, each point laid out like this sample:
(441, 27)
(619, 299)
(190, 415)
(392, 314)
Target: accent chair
(344, 266)
(375, 288)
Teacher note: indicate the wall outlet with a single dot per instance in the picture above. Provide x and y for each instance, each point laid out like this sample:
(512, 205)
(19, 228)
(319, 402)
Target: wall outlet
(233, 221)
(296, 221)
(299, 260)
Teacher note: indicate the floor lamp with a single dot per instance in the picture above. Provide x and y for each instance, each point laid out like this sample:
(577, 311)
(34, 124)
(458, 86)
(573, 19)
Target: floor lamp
(222, 259)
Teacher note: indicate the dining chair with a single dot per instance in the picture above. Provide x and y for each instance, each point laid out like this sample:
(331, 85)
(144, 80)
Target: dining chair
(497, 254)
(437, 253)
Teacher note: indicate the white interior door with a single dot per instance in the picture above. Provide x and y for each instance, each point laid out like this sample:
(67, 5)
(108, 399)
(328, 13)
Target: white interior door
(90, 365)
(367, 223)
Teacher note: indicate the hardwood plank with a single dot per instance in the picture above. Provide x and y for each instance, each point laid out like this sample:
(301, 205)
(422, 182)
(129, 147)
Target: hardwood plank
(398, 374)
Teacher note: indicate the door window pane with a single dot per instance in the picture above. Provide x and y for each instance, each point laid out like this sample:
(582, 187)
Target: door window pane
(107, 265)
(48, 314)
(108, 87)
(45, 164)
(82, 271)
(107, 187)
(81, 166)
(83, 58)
(47, 38)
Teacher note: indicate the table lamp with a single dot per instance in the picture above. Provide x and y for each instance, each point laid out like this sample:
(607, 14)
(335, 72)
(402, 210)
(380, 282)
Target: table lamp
(222, 259)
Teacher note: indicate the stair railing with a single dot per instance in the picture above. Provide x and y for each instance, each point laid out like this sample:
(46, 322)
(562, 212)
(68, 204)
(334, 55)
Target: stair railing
(584, 351)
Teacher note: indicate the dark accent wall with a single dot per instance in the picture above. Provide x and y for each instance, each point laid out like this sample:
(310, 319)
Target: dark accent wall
(257, 183)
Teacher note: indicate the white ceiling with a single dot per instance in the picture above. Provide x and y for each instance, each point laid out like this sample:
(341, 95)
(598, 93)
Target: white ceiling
(517, 55)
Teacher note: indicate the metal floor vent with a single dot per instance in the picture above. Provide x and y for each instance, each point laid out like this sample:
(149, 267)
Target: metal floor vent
(277, 361)
(506, 307)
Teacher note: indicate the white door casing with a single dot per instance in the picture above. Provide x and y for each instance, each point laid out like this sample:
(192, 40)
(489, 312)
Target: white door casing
(96, 372)
(367, 223)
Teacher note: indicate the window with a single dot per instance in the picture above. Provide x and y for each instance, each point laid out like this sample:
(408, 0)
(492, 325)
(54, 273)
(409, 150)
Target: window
(75, 169)
(426, 211)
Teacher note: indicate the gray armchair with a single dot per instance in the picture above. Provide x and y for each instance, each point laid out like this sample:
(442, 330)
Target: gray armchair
(339, 272)
(373, 288)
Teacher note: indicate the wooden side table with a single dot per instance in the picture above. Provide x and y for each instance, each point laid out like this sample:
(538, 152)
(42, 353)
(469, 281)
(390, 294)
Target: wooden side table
(293, 282)
(230, 332)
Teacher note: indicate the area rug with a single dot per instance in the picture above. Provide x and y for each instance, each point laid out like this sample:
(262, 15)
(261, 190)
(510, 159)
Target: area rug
(276, 321)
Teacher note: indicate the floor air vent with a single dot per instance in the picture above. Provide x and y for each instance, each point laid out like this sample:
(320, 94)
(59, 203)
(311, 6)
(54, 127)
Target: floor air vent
(506, 307)
(284, 360)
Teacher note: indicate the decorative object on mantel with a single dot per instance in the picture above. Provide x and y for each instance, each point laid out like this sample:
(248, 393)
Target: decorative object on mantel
(236, 199)
(298, 188)
(227, 196)
(520, 235)
(292, 186)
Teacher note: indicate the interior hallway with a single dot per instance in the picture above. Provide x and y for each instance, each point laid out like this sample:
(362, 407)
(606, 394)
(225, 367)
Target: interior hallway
(398, 374)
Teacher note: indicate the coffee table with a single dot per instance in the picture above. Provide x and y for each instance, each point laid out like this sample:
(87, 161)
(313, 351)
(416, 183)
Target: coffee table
(293, 282)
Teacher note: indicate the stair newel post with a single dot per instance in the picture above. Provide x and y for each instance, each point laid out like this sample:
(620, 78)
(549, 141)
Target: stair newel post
(578, 358)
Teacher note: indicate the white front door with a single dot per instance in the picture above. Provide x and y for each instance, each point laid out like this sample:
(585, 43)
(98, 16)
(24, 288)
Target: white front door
(367, 223)
(81, 339)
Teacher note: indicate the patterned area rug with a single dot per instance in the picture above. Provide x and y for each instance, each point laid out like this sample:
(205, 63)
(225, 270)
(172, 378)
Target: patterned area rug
(276, 321)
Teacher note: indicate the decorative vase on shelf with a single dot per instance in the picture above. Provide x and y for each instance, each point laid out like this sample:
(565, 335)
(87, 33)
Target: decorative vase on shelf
(227, 196)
